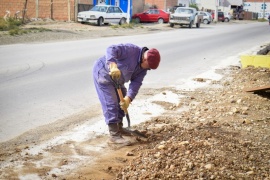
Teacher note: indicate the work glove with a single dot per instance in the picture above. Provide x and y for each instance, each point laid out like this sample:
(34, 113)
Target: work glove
(125, 103)
(114, 71)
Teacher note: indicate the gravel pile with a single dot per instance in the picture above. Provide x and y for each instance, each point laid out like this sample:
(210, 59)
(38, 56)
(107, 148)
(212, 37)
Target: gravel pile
(224, 135)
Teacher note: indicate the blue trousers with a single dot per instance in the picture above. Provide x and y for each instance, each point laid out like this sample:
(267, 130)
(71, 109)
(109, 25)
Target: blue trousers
(107, 94)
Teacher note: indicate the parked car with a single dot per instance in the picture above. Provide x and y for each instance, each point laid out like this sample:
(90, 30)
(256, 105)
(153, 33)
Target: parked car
(227, 16)
(207, 17)
(186, 16)
(152, 15)
(103, 14)
(221, 16)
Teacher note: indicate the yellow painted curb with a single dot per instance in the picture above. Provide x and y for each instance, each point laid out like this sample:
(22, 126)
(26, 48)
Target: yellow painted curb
(255, 60)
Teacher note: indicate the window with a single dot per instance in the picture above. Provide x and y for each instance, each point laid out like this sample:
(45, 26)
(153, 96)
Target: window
(117, 10)
(111, 10)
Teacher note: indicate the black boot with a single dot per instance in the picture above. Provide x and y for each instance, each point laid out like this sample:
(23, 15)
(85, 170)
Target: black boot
(122, 130)
(116, 137)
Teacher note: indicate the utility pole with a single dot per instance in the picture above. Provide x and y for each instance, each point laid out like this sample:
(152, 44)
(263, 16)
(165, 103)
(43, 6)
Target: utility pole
(52, 9)
(37, 6)
(264, 9)
(216, 13)
(128, 12)
(68, 10)
(24, 11)
(76, 10)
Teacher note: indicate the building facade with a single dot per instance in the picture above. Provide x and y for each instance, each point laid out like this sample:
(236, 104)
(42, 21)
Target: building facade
(161, 4)
(261, 7)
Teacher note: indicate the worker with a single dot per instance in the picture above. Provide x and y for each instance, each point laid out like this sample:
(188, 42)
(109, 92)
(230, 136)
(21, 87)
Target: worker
(269, 19)
(122, 63)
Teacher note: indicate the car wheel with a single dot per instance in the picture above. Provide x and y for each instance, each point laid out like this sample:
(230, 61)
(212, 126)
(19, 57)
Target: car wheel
(171, 25)
(100, 21)
(137, 20)
(190, 24)
(122, 21)
(227, 20)
(205, 21)
(160, 21)
(82, 22)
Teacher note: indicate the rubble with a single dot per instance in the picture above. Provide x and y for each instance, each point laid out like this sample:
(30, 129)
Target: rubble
(224, 135)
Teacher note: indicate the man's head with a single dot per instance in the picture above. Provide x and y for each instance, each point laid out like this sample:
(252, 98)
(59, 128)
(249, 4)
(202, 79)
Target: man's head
(151, 59)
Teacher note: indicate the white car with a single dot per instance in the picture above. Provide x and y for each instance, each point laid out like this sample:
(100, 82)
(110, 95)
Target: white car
(103, 14)
(207, 17)
(227, 16)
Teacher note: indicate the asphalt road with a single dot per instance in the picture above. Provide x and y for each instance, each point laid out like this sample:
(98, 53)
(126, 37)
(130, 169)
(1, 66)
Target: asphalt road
(41, 83)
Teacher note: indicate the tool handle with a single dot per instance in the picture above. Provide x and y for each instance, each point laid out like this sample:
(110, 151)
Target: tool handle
(120, 94)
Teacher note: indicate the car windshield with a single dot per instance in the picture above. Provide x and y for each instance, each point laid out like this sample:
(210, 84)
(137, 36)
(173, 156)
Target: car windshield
(184, 11)
(99, 8)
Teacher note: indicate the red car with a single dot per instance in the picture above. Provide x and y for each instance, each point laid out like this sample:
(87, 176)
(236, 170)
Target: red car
(221, 16)
(152, 15)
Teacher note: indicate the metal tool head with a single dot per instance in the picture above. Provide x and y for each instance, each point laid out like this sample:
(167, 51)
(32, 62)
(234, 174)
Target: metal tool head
(135, 132)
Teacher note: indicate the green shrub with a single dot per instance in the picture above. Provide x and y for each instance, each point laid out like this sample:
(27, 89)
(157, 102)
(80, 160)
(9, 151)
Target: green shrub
(3, 25)
(34, 29)
(130, 25)
(9, 24)
(262, 20)
(126, 25)
(13, 32)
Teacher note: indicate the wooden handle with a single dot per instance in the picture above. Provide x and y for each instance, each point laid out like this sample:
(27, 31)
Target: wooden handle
(120, 94)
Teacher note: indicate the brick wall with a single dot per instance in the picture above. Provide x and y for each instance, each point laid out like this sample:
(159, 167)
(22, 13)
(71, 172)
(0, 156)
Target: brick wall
(58, 10)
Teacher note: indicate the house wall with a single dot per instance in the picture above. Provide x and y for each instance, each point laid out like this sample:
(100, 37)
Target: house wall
(59, 10)
(207, 5)
(256, 6)
(161, 4)
(137, 6)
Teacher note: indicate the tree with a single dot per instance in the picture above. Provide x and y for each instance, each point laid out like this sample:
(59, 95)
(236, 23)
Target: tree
(194, 6)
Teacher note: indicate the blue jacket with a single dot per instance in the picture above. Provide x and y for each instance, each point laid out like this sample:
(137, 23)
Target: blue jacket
(128, 58)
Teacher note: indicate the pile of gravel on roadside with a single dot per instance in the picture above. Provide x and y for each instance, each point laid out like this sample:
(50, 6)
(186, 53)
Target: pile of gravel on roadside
(224, 135)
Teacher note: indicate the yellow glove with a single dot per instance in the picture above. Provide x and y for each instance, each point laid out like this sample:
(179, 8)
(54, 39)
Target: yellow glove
(125, 103)
(114, 71)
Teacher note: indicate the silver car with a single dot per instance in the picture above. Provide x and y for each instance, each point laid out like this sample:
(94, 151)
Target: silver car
(227, 16)
(207, 17)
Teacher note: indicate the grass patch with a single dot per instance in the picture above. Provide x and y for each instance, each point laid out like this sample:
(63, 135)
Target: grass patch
(9, 24)
(19, 31)
(126, 26)
(14, 27)
(262, 20)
